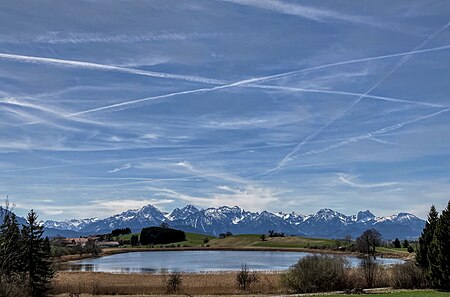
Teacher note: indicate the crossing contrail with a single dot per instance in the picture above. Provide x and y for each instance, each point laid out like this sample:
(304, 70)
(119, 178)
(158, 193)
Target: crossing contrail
(246, 82)
(251, 81)
(103, 67)
(405, 58)
(374, 133)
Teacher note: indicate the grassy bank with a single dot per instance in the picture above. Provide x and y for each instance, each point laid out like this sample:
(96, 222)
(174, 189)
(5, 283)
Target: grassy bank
(251, 242)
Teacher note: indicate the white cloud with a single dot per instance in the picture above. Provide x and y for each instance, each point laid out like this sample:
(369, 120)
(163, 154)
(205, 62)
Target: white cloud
(307, 12)
(251, 198)
(353, 182)
(121, 168)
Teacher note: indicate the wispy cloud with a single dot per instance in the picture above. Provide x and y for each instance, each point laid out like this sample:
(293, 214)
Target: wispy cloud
(303, 11)
(371, 134)
(249, 197)
(353, 182)
(57, 37)
(121, 168)
(286, 159)
(245, 82)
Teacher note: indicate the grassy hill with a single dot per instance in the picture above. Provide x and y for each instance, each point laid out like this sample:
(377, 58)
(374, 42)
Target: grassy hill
(246, 241)
(254, 240)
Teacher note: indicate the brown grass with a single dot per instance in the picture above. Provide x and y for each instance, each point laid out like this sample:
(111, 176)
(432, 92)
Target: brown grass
(154, 284)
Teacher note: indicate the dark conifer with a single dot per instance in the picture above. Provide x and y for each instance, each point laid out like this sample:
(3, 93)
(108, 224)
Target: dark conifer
(10, 248)
(426, 238)
(439, 256)
(37, 253)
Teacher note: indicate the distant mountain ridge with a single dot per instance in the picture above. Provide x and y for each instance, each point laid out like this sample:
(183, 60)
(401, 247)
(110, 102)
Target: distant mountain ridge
(326, 223)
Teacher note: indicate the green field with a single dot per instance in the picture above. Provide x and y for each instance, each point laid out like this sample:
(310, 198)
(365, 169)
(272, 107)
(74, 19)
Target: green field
(254, 240)
(392, 250)
(247, 241)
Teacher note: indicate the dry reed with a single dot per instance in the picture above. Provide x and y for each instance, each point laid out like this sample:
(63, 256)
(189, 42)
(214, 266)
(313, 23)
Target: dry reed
(97, 283)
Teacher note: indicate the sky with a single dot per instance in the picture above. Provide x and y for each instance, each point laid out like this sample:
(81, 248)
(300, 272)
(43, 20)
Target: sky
(265, 104)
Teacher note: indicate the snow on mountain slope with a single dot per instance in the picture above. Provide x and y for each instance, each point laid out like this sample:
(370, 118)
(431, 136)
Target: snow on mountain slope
(325, 223)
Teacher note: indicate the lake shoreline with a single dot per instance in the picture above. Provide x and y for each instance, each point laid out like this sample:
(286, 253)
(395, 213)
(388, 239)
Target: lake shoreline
(114, 251)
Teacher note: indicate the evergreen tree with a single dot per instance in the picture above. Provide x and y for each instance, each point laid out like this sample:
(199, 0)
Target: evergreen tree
(37, 255)
(440, 249)
(405, 244)
(425, 240)
(10, 248)
(397, 243)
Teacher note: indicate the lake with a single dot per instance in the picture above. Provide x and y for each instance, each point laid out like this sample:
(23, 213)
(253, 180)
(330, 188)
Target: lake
(197, 261)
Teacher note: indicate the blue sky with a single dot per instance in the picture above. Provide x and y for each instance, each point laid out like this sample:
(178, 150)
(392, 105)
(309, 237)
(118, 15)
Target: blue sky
(278, 105)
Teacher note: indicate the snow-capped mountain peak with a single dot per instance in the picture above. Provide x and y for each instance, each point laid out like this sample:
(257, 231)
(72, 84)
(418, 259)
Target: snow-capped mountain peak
(325, 223)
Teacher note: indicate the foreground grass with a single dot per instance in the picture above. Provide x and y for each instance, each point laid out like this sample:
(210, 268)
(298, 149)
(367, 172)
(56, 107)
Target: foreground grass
(392, 294)
(154, 284)
(405, 294)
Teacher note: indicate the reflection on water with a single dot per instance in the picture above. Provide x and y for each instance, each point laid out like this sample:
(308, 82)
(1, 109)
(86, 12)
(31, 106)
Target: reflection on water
(197, 261)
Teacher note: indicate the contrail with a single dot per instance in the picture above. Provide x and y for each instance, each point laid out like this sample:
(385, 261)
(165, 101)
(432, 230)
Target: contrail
(374, 133)
(251, 81)
(103, 67)
(333, 92)
(405, 58)
(245, 82)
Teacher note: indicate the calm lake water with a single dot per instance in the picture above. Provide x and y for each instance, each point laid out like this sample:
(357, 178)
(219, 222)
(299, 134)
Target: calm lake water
(197, 261)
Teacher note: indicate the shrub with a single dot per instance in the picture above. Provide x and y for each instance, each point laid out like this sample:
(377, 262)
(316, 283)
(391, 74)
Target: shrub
(174, 282)
(369, 270)
(13, 286)
(244, 278)
(316, 273)
(408, 276)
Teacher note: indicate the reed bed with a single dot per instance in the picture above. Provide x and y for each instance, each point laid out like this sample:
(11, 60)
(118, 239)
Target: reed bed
(98, 283)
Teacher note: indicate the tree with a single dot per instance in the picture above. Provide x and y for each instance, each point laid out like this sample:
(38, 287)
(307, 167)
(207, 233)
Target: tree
(397, 243)
(11, 252)
(134, 240)
(405, 244)
(92, 248)
(423, 252)
(369, 270)
(368, 241)
(439, 256)
(263, 237)
(37, 253)
(244, 278)
(174, 282)
(159, 235)
(348, 239)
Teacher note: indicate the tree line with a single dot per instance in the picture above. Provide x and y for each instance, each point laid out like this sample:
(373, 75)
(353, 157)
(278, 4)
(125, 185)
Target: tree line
(25, 256)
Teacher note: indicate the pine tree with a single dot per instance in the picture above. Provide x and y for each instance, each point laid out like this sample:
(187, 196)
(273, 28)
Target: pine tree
(10, 248)
(440, 249)
(37, 255)
(425, 240)
(397, 243)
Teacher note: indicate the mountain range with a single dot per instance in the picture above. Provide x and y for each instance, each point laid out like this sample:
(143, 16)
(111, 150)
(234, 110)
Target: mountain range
(326, 223)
